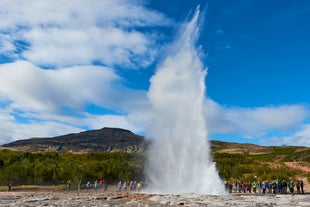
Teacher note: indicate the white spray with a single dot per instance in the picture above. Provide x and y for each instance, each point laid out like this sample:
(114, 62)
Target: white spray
(179, 157)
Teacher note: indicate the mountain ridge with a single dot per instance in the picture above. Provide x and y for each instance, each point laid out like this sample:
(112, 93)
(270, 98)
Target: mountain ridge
(117, 139)
(105, 139)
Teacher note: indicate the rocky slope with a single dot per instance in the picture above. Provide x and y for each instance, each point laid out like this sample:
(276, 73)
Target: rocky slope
(101, 140)
(116, 139)
(105, 139)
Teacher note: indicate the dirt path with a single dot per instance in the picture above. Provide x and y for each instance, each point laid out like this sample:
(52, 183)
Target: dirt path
(298, 166)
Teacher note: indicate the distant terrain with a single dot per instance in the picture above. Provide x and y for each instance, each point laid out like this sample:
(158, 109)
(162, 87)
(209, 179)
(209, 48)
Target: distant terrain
(115, 153)
(101, 140)
(122, 140)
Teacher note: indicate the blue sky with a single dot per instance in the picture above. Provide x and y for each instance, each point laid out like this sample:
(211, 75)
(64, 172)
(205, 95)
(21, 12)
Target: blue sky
(64, 69)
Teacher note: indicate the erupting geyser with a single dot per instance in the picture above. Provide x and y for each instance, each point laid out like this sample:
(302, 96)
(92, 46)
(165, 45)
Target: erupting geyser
(179, 157)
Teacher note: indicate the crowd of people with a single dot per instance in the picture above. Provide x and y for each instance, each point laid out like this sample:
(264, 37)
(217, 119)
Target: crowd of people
(263, 187)
(103, 184)
(237, 186)
(129, 185)
(132, 185)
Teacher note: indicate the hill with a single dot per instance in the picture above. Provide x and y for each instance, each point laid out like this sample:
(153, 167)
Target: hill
(101, 140)
(122, 140)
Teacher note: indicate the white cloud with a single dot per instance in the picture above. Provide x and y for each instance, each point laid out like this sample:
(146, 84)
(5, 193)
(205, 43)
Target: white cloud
(54, 125)
(6, 45)
(31, 88)
(42, 129)
(71, 35)
(254, 122)
(58, 33)
(41, 102)
(300, 138)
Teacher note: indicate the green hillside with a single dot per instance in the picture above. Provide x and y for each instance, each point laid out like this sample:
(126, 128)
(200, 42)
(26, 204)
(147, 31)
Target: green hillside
(52, 168)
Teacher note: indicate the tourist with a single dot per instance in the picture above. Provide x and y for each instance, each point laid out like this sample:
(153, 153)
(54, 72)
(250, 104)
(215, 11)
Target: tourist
(302, 186)
(230, 187)
(279, 186)
(239, 186)
(96, 185)
(139, 186)
(249, 187)
(244, 185)
(235, 186)
(259, 186)
(291, 187)
(79, 185)
(135, 185)
(10, 186)
(88, 186)
(284, 187)
(69, 185)
(131, 185)
(269, 185)
(125, 186)
(105, 185)
(274, 187)
(298, 187)
(226, 186)
(254, 185)
(264, 187)
(119, 186)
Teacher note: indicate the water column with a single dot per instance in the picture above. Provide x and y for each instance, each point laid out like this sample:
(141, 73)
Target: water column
(179, 157)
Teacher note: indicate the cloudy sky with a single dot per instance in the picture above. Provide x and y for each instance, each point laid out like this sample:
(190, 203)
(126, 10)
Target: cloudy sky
(75, 65)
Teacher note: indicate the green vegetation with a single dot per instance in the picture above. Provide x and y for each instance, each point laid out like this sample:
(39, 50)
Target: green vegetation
(268, 166)
(25, 168)
(284, 154)
(245, 167)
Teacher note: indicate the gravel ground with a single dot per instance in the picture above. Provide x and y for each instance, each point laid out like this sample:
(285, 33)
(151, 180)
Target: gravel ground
(100, 198)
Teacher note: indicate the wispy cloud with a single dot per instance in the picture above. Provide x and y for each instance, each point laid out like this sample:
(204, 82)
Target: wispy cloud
(104, 31)
(44, 99)
(300, 137)
(31, 88)
(70, 37)
(254, 122)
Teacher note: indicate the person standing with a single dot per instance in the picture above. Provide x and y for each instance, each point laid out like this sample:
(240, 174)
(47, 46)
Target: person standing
(96, 185)
(298, 186)
(264, 187)
(259, 186)
(79, 185)
(69, 185)
(291, 187)
(88, 186)
(119, 186)
(302, 186)
(10, 186)
(254, 185)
